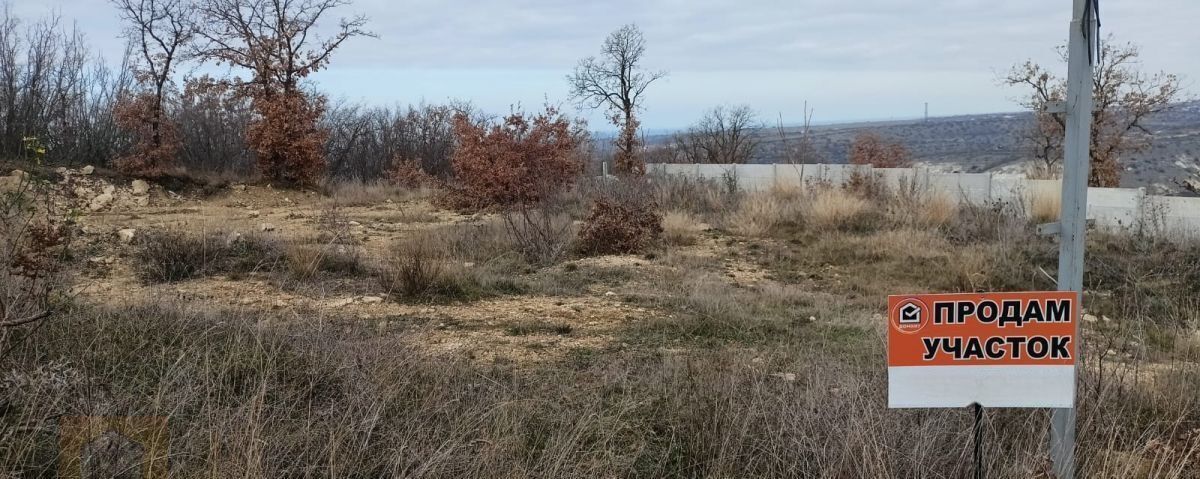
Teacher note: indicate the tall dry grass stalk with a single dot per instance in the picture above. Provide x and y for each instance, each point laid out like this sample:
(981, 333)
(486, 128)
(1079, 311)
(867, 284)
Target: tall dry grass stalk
(1044, 206)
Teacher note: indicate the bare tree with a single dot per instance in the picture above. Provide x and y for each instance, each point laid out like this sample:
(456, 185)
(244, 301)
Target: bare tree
(53, 89)
(725, 134)
(617, 81)
(804, 150)
(276, 41)
(1124, 98)
(159, 31)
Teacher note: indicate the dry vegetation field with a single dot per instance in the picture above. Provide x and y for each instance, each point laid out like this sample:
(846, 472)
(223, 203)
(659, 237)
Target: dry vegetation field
(365, 330)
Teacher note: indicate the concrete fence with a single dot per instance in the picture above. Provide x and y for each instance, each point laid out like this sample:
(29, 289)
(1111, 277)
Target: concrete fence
(1122, 208)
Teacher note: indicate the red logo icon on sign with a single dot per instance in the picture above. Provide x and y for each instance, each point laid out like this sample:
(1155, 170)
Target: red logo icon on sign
(910, 315)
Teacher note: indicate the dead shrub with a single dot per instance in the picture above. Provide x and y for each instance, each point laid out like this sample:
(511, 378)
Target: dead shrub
(168, 256)
(542, 235)
(619, 226)
(419, 269)
(34, 247)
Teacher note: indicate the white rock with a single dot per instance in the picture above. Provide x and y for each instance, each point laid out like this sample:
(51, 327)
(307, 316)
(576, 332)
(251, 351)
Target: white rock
(142, 201)
(126, 235)
(87, 170)
(110, 189)
(341, 302)
(785, 376)
(232, 238)
(610, 293)
(1091, 318)
(468, 264)
(253, 213)
(102, 260)
(139, 187)
(99, 202)
(370, 300)
(82, 192)
(266, 227)
(19, 175)
(238, 187)
(62, 170)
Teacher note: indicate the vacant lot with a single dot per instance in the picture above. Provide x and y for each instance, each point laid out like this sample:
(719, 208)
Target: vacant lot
(366, 331)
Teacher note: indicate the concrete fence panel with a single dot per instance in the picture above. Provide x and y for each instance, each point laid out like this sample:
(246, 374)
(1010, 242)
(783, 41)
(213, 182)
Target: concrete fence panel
(755, 177)
(1109, 207)
(1115, 207)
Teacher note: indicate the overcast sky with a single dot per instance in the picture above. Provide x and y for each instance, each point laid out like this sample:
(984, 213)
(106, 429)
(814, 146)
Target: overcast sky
(860, 60)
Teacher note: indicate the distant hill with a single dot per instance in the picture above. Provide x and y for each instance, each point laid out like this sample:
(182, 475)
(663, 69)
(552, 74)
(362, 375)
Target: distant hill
(993, 142)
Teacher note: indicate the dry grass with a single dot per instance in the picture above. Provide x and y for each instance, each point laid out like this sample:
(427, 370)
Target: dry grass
(424, 268)
(307, 262)
(419, 269)
(937, 210)
(248, 398)
(835, 208)
(759, 214)
(1044, 206)
(680, 228)
(360, 193)
(700, 372)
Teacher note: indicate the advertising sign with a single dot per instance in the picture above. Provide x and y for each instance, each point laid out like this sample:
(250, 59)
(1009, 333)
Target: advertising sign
(994, 349)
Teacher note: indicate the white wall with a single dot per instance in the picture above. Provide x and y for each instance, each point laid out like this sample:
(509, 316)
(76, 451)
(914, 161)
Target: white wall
(1109, 207)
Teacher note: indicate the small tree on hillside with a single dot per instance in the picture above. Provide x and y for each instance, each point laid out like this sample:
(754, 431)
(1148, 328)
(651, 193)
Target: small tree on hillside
(868, 148)
(276, 41)
(159, 31)
(723, 135)
(616, 80)
(1123, 98)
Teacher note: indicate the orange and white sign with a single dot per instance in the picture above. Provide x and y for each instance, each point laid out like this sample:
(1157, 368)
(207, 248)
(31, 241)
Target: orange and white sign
(995, 349)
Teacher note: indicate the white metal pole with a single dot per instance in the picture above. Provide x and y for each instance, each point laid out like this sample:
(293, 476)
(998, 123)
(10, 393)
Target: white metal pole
(1073, 218)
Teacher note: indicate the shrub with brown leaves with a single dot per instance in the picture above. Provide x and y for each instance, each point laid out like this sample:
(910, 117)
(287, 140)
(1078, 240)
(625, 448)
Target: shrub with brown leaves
(408, 173)
(620, 226)
(34, 245)
(869, 148)
(156, 138)
(286, 137)
(518, 161)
